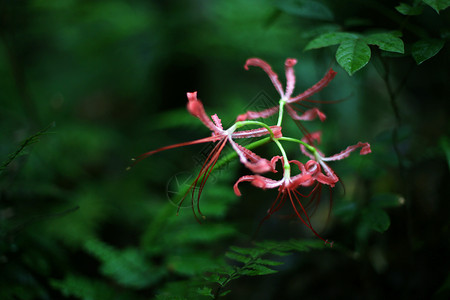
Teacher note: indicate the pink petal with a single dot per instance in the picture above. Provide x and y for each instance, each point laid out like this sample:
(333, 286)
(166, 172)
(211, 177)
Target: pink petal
(312, 168)
(195, 108)
(308, 115)
(217, 121)
(330, 178)
(258, 181)
(315, 88)
(290, 76)
(303, 179)
(257, 132)
(365, 149)
(310, 139)
(274, 161)
(250, 115)
(256, 62)
(251, 160)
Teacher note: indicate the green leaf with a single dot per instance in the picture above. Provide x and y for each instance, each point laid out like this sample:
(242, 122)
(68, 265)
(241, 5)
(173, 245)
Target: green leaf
(330, 39)
(246, 251)
(352, 55)
(225, 293)
(307, 9)
(205, 291)
(82, 288)
(237, 257)
(438, 5)
(127, 267)
(257, 270)
(408, 10)
(268, 262)
(426, 49)
(376, 219)
(387, 200)
(387, 41)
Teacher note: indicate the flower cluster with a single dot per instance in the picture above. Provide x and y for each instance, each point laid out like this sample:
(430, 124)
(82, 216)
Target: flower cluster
(311, 175)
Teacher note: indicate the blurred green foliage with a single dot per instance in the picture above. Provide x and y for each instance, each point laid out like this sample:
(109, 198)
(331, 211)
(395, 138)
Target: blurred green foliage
(87, 85)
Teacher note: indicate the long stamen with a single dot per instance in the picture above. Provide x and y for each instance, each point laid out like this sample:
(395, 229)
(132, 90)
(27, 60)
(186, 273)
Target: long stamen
(309, 221)
(208, 172)
(199, 141)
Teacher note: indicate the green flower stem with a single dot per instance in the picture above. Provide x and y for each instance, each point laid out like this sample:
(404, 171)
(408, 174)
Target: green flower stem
(280, 113)
(307, 146)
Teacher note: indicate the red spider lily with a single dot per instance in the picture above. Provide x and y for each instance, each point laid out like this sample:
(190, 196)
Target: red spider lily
(251, 160)
(330, 177)
(292, 110)
(288, 187)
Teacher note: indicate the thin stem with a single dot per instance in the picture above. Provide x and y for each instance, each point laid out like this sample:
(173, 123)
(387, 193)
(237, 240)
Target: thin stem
(280, 113)
(307, 146)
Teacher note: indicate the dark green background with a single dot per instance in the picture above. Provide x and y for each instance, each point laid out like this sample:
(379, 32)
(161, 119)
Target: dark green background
(112, 77)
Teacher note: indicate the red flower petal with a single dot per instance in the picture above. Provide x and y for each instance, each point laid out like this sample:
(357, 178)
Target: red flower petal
(315, 88)
(290, 76)
(256, 62)
(308, 115)
(250, 115)
(365, 149)
(195, 108)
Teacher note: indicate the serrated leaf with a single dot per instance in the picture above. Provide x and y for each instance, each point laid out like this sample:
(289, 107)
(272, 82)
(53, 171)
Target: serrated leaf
(268, 262)
(387, 200)
(426, 49)
(246, 251)
(225, 293)
(330, 39)
(205, 291)
(237, 257)
(376, 219)
(352, 55)
(408, 10)
(127, 267)
(307, 9)
(256, 270)
(306, 245)
(387, 41)
(438, 5)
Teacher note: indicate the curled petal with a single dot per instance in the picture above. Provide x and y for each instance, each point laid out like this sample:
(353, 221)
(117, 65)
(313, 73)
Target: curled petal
(250, 115)
(195, 108)
(313, 137)
(258, 181)
(256, 62)
(274, 161)
(365, 149)
(308, 115)
(327, 179)
(310, 139)
(257, 132)
(290, 76)
(315, 88)
(305, 178)
(251, 160)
